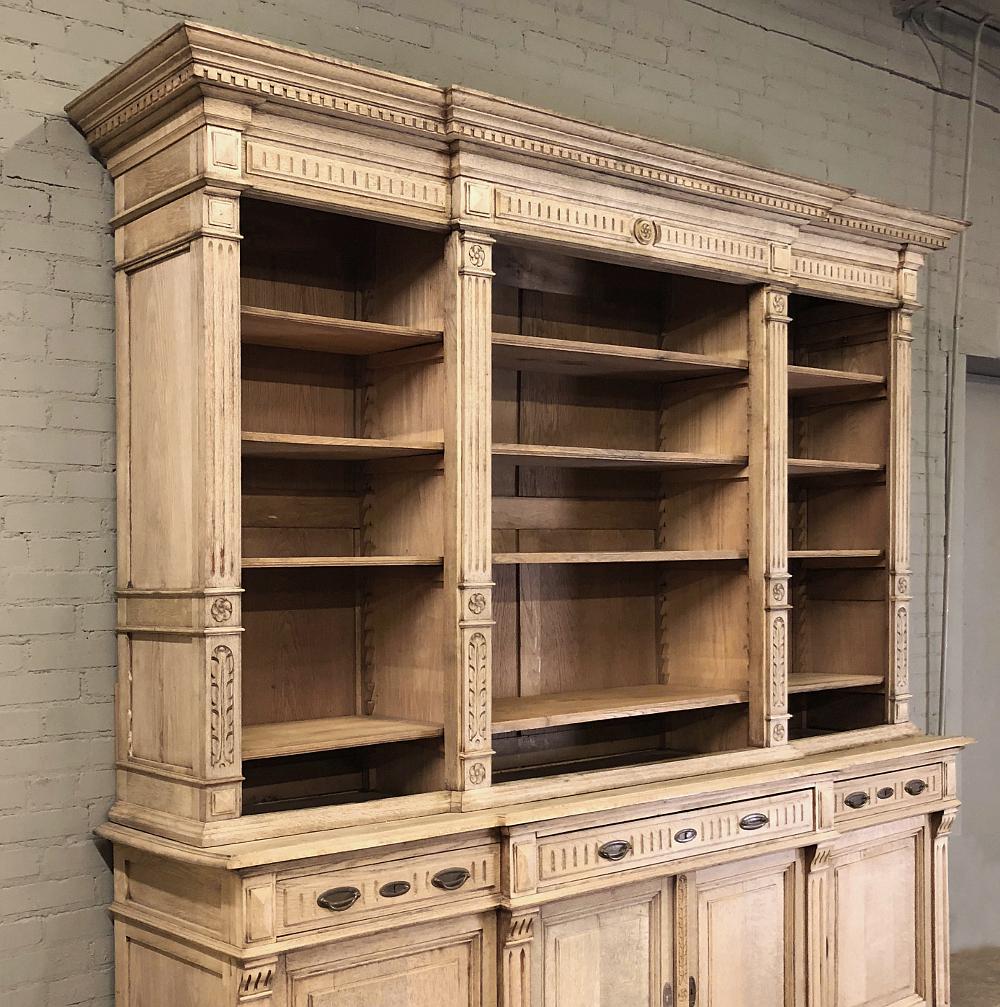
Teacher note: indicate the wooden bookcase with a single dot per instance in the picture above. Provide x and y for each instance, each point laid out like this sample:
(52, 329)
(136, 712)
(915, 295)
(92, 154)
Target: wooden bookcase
(510, 510)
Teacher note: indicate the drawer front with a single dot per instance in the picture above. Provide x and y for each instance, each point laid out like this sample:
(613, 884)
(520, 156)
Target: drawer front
(351, 894)
(614, 848)
(904, 789)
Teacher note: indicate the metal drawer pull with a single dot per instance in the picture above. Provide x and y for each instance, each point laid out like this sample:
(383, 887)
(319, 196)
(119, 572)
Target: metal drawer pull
(915, 788)
(393, 889)
(450, 880)
(685, 835)
(338, 899)
(857, 800)
(885, 793)
(617, 849)
(757, 820)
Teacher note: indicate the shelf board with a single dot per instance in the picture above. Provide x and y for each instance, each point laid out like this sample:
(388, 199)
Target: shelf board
(270, 741)
(616, 458)
(294, 330)
(806, 380)
(359, 562)
(575, 357)
(835, 554)
(529, 713)
(804, 682)
(631, 556)
(820, 467)
(267, 445)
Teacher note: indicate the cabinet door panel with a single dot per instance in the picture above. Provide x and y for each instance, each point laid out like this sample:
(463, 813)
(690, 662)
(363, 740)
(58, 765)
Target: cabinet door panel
(880, 917)
(748, 922)
(607, 951)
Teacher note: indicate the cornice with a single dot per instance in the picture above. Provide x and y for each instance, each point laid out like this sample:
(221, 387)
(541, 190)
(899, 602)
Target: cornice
(194, 60)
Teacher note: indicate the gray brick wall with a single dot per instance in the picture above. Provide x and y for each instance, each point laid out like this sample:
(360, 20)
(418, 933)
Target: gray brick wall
(830, 90)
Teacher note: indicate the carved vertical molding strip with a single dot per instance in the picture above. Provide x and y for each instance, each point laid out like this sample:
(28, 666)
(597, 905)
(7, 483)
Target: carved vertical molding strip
(898, 481)
(768, 467)
(682, 927)
(940, 942)
(468, 469)
(518, 959)
(819, 909)
(222, 714)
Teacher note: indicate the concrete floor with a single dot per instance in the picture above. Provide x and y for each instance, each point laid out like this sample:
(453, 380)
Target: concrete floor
(975, 978)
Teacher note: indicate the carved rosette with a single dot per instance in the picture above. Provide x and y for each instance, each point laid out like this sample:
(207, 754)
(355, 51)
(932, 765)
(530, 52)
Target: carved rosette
(222, 712)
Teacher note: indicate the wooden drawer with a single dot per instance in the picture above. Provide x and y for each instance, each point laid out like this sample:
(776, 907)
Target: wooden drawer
(613, 848)
(906, 788)
(385, 888)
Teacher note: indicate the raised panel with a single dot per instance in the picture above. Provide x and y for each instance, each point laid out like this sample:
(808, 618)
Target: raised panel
(606, 951)
(748, 920)
(880, 919)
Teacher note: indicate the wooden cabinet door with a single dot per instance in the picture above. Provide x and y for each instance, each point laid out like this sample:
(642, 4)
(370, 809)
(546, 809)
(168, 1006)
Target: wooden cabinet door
(608, 950)
(450, 964)
(879, 917)
(746, 932)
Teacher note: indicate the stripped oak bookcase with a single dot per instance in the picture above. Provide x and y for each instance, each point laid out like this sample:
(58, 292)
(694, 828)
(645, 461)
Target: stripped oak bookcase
(513, 557)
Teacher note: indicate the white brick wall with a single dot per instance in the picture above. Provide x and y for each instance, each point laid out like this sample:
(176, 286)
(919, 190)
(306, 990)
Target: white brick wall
(830, 90)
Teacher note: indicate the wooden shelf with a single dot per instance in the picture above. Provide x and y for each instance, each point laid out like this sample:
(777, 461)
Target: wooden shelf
(290, 562)
(294, 330)
(529, 713)
(619, 458)
(566, 356)
(835, 554)
(804, 682)
(266, 445)
(819, 467)
(633, 556)
(809, 380)
(270, 741)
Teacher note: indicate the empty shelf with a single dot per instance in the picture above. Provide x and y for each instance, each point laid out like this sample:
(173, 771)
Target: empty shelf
(621, 458)
(565, 356)
(279, 562)
(291, 329)
(633, 556)
(804, 682)
(528, 713)
(805, 380)
(270, 741)
(819, 467)
(266, 445)
(818, 554)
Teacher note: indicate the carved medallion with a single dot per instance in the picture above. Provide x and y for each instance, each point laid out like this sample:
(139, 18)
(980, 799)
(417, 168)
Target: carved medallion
(644, 231)
(778, 591)
(778, 731)
(477, 773)
(477, 674)
(477, 603)
(477, 255)
(222, 609)
(222, 695)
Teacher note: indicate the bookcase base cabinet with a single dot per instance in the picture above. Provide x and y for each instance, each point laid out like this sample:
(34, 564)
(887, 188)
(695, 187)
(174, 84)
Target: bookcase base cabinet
(629, 906)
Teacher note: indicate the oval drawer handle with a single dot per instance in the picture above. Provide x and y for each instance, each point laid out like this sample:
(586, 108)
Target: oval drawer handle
(617, 849)
(393, 889)
(685, 835)
(857, 800)
(338, 899)
(885, 793)
(756, 820)
(915, 787)
(451, 879)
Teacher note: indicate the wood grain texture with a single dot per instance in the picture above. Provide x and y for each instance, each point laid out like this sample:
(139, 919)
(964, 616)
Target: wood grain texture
(268, 741)
(268, 445)
(574, 457)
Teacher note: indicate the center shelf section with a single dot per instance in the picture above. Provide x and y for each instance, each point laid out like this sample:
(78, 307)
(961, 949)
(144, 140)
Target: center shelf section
(618, 458)
(807, 380)
(821, 467)
(280, 562)
(529, 713)
(269, 445)
(295, 330)
(576, 357)
(818, 682)
(271, 741)
(633, 556)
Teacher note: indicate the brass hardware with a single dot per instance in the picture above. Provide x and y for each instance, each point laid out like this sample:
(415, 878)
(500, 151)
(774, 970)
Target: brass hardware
(685, 835)
(451, 879)
(884, 793)
(393, 889)
(751, 822)
(692, 991)
(338, 899)
(915, 787)
(857, 800)
(668, 995)
(617, 849)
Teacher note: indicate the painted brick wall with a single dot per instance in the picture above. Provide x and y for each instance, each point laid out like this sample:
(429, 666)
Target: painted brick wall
(828, 89)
